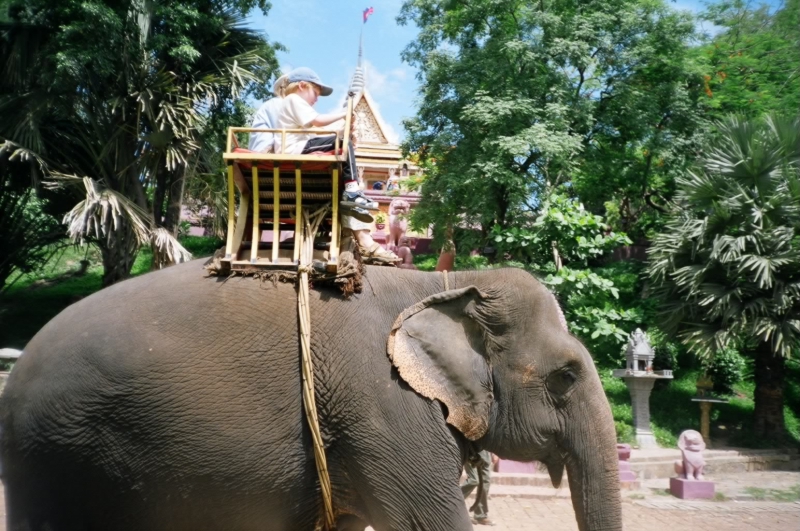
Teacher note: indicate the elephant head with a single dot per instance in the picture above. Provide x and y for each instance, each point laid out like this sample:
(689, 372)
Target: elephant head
(512, 378)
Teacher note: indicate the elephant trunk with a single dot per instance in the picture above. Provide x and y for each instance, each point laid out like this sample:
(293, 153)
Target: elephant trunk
(593, 472)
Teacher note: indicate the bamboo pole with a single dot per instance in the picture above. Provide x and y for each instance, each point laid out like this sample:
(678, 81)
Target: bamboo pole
(276, 211)
(334, 250)
(298, 219)
(231, 218)
(256, 215)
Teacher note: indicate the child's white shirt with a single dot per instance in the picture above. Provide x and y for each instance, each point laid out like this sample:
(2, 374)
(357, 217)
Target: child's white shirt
(296, 113)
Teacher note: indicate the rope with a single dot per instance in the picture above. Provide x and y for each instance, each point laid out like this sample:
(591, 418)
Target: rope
(306, 235)
(446, 280)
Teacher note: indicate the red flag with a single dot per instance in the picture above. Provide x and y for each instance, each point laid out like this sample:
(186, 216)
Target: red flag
(367, 12)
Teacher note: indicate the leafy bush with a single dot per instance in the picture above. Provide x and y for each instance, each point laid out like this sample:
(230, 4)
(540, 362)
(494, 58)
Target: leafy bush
(590, 304)
(625, 432)
(201, 246)
(26, 234)
(560, 246)
(427, 262)
(563, 227)
(726, 369)
(666, 351)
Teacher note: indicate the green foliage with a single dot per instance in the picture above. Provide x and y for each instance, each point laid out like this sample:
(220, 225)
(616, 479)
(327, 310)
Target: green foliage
(26, 232)
(725, 368)
(427, 262)
(128, 93)
(752, 66)
(563, 229)
(666, 351)
(521, 97)
(625, 432)
(738, 415)
(565, 233)
(728, 263)
(40, 295)
(792, 494)
(591, 307)
(199, 246)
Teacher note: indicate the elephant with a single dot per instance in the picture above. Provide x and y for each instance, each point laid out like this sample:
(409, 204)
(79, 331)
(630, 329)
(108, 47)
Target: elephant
(173, 401)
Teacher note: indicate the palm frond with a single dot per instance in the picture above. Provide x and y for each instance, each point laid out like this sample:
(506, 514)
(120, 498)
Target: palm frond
(166, 249)
(103, 213)
(728, 262)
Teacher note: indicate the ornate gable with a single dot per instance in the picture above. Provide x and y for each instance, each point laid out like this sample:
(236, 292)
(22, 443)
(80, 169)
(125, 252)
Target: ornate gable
(368, 125)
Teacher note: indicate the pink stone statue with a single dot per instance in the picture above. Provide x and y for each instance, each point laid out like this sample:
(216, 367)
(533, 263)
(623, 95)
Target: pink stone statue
(404, 252)
(691, 467)
(398, 221)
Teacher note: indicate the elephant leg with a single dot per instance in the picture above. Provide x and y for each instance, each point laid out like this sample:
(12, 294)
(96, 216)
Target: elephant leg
(407, 478)
(414, 500)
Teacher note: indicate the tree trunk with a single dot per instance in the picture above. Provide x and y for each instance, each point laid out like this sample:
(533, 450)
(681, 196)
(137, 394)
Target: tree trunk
(118, 252)
(768, 421)
(160, 194)
(447, 257)
(175, 200)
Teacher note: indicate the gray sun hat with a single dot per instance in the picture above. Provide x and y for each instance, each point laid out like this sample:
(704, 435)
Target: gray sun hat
(306, 74)
(280, 84)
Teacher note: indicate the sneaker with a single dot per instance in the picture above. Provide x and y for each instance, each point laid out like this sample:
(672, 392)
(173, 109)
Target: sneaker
(350, 209)
(482, 521)
(358, 199)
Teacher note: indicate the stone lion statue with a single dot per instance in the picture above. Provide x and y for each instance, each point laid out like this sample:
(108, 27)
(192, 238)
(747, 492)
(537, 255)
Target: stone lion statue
(398, 221)
(691, 466)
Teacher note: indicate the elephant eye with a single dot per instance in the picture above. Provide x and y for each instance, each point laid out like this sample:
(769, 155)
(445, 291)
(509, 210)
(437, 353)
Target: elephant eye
(561, 381)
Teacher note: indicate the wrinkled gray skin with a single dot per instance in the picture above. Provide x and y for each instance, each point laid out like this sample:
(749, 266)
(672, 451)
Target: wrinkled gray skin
(173, 402)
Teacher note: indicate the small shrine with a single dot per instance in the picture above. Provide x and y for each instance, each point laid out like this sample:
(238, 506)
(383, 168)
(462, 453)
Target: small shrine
(639, 377)
(639, 354)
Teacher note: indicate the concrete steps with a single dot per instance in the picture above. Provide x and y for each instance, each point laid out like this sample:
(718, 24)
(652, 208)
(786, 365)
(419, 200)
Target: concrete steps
(648, 465)
(659, 463)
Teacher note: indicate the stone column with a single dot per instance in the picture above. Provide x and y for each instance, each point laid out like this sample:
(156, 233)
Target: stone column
(640, 389)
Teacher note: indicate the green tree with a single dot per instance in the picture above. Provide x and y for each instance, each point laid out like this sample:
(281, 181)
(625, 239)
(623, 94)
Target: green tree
(518, 98)
(121, 92)
(752, 66)
(561, 245)
(728, 262)
(26, 231)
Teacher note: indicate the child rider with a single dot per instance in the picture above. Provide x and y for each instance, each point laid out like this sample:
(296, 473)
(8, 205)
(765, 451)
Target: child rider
(301, 93)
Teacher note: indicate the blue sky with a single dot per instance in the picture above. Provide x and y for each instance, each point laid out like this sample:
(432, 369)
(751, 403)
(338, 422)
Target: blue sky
(323, 35)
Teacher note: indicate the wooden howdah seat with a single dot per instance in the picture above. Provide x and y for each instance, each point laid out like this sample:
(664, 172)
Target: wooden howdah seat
(276, 191)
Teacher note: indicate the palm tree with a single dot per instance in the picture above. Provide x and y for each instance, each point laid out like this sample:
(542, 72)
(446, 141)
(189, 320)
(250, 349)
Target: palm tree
(728, 261)
(124, 121)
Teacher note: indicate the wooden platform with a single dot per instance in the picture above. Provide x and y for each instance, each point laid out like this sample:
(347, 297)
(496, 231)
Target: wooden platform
(276, 192)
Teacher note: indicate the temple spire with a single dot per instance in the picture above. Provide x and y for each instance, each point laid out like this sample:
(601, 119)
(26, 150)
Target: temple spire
(358, 82)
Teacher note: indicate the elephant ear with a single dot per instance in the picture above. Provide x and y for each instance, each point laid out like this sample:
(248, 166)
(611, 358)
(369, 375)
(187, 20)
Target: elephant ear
(438, 347)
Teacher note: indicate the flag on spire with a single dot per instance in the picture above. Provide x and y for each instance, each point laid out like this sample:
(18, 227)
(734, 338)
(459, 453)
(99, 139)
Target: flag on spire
(367, 12)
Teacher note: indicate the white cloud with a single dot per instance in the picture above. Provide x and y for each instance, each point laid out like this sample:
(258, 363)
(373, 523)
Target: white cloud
(390, 86)
(391, 89)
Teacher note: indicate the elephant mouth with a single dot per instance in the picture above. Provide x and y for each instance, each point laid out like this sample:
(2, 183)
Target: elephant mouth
(555, 464)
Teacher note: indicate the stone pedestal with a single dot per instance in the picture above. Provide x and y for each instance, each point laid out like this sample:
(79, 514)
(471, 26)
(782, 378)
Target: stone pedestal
(639, 376)
(686, 489)
(626, 474)
(640, 388)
